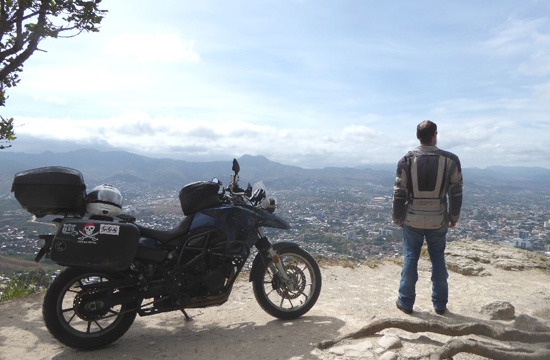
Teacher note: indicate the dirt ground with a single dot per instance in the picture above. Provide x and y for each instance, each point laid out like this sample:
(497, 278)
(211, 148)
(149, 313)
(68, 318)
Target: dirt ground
(350, 299)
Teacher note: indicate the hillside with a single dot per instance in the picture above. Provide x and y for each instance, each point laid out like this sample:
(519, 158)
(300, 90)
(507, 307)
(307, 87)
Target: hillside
(100, 167)
(11, 264)
(351, 298)
(123, 167)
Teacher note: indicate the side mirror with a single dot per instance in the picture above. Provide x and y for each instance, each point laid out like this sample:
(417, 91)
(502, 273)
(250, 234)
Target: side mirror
(236, 167)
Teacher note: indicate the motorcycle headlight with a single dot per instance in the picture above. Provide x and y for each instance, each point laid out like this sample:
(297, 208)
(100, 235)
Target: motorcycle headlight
(269, 204)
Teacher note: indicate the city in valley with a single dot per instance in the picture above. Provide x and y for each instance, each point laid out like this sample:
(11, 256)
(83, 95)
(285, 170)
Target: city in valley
(332, 222)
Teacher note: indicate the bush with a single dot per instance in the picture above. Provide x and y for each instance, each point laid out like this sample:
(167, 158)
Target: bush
(25, 284)
(17, 288)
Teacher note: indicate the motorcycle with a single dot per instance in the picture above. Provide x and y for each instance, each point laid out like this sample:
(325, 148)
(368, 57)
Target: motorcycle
(117, 269)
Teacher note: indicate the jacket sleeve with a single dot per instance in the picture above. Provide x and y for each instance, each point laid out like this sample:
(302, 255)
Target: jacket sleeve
(400, 191)
(455, 190)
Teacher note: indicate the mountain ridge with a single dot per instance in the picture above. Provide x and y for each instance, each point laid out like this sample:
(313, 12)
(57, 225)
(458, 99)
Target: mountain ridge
(99, 167)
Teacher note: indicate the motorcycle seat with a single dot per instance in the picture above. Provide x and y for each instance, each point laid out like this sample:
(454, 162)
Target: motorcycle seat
(165, 236)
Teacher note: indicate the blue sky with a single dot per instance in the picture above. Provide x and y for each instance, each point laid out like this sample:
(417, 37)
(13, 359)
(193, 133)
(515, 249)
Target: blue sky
(308, 83)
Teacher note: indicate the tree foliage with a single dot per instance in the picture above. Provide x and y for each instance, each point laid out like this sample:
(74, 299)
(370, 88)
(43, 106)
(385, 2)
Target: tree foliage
(24, 24)
(6, 132)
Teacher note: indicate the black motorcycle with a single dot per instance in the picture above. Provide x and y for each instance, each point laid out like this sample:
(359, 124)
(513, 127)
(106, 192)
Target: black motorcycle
(117, 268)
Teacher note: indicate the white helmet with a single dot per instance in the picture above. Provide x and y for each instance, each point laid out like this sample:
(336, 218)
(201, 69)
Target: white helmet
(104, 200)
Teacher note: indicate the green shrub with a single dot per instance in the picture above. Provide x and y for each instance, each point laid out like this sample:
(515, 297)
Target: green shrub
(17, 289)
(25, 284)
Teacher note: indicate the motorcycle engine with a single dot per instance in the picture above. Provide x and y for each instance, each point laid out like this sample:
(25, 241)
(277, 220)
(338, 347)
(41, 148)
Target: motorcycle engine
(210, 260)
(214, 281)
(203, 275)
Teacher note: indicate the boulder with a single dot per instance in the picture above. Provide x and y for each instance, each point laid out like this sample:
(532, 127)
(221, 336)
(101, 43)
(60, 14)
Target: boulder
(389, 342)
(390, 355)
(499, 310)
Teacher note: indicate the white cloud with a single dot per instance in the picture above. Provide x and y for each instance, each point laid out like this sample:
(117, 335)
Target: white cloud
(515, 36)
(57, 100)
(542, 92)
(524, 39)
(359, 133)
(453, 106)
(538, 64)
(148, 48)
(208, 140)
(477, 141)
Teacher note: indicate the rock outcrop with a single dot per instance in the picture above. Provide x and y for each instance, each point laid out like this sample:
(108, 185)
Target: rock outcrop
(527, 337)
(468, 257)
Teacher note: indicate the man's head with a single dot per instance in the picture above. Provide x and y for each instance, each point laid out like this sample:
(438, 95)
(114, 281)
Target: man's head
(426, 132)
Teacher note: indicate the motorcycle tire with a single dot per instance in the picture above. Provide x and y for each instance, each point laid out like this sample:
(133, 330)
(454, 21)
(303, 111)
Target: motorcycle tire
(73, 317)
(293, 298)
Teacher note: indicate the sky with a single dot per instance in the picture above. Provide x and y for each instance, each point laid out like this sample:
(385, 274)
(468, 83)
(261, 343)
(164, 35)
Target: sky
(311, 83)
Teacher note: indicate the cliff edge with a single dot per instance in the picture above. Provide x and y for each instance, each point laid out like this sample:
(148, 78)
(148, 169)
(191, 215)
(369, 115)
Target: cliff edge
(491, 286)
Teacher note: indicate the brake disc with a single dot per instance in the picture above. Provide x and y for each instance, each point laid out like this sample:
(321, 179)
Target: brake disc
(297, 279)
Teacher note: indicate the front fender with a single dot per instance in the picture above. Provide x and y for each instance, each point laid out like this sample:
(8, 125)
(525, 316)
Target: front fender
(272, 220)
(261, 259)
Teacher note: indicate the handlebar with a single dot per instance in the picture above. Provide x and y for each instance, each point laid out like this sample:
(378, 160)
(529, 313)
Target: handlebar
(235, 194)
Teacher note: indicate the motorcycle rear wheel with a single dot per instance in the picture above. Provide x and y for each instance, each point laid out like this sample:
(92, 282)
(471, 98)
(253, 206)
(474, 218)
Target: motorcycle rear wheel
(295, 297)
(76, 316)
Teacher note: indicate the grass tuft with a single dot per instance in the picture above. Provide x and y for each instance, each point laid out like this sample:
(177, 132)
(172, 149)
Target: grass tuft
(17, 289)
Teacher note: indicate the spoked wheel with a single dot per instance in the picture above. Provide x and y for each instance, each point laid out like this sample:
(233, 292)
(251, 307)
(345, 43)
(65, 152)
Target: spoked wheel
(75, 314)
(290, 296)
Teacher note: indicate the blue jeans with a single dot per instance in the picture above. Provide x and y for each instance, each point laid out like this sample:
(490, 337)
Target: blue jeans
(413, 239)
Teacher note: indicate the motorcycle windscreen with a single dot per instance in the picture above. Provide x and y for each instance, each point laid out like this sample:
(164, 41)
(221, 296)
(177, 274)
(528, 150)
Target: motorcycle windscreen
(95, 244)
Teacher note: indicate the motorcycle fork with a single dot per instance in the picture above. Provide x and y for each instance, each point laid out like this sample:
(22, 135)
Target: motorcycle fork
(266, 249)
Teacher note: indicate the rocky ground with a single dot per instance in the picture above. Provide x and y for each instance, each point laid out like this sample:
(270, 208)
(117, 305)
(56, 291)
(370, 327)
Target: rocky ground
(351, 298)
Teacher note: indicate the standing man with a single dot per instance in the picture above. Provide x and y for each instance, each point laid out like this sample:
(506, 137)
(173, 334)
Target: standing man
(427, 197)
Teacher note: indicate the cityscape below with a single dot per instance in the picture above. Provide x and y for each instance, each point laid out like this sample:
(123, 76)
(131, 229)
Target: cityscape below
(334, 219)
(332, 223)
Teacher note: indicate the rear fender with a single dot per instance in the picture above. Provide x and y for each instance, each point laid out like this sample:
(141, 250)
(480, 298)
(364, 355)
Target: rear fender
(262, 257)
(45, 250)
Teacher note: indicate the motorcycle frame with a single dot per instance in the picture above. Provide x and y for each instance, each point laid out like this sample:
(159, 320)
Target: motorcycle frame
(249, 218)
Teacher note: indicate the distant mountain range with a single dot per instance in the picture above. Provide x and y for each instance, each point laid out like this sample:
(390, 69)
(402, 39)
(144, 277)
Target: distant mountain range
(122, 167)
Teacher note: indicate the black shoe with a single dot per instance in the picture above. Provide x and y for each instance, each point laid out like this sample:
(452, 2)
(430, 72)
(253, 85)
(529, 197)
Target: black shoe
(441, 312)
(406, 311)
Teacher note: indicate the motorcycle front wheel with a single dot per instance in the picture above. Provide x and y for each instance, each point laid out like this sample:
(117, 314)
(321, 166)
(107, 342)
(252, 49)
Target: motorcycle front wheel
(294, 295)
(75, 314)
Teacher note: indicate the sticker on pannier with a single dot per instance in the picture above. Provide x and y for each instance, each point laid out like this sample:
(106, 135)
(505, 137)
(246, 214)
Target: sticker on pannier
(95, 244)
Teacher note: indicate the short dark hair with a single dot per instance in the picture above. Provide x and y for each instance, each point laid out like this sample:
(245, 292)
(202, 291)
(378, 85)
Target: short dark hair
(425, 131)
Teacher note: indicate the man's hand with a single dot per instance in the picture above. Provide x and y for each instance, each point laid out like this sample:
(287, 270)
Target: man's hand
(452, 224)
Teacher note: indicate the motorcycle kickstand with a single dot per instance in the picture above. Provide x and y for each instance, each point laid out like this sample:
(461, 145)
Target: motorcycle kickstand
(187, 317)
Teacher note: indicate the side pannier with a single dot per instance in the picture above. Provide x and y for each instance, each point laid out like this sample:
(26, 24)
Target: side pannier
(97, 244)
(52, 190)
(198, 196)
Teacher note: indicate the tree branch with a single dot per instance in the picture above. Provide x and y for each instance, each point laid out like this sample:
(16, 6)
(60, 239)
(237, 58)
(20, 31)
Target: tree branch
(496, 332)
(534, 345)
(33, 40)
(31, 15)
(459, 345)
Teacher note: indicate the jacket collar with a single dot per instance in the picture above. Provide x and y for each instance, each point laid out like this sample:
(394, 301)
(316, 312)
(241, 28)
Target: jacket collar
(427, 148)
